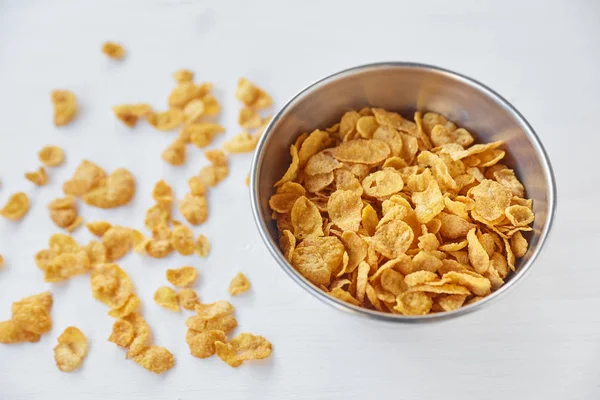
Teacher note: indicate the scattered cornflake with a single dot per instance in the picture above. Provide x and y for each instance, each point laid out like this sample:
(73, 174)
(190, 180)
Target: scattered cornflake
(113, 50)
(16, 207)
(98, 228)
(188, 298)
(130, 114)
(243, 347)
(375, 215)
(241, 143)
(251, 95)
(162, 192)
(183, 75)
(71, 349)
(238, 285)
(202, 246)
(194, 208)
(39, 177)
(249, 118)
(175, 153)
(65, 106)
(155, 359)
(167, 298)
(166, 120)
(182, 240)
(51, 156)
(63, 212)
(183, 276)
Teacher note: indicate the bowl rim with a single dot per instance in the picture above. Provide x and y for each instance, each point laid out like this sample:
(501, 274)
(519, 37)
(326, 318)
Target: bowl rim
(273, 247)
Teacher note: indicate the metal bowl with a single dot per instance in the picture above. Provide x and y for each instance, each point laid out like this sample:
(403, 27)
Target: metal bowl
(405, 88)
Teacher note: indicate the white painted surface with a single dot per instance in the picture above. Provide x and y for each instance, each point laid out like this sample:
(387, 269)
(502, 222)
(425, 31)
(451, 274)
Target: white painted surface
(542, 341)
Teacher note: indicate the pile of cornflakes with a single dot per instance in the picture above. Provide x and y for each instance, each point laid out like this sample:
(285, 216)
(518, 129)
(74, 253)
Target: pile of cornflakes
(191, 106)
(400, 216)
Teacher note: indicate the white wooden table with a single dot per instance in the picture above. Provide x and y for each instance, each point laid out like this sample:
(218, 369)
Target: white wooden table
(542, 341)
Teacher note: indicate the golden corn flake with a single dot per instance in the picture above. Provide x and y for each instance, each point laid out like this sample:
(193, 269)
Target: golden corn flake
(202, 246)
(51, 156)
(422, 228)
(67, 265)
(117, 190)
(188, 298)
(11, 333)
(86, 177)
(111, 285)
(118, 242)
(183, 75)
(345, 210)
(71, 349)
(306, 219)
(202, 344)
(183, 276)
(155, 359)
(243, 347)
(241, 143)
(217, 309)
(162, 192)
(39, 177)
(113, 50)
(167, 298)
(201, 134)
(63, 212)
(33, 317)
(122, 333)
(185, 92)
(182, 240)
(16, 207)
(158, 214)
(98, 228)
(211, 175)
(362, 151)
(65, 106)
(251, 95)
(249, 118)
(131, 306)
(130, 114)
(194, 209)
(175, 153)
(223, 323)
(238, 285)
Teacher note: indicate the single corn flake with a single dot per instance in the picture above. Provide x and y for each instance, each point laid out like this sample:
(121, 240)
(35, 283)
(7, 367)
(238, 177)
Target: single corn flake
(71, 349)
(241, 143)
(122, 333)
(182, 240)
(16, 207)
(429, 203)
(306, 219)
(111, 285)
(155, 359)
(223, 323)
(130, 114)
(51, 156)
(118, 242)
(393, 238)
(117, 191)
(167, 298)
(243, 347)
(292, 170)
(162, 192)
(202, 247)
(194, 209)
(249, 118)
(362, 151)
(188, 298)
(175, 153)
(113, 50)
(217, 309)
(383, 183)
(251, 95)
(183, 276)
(345, 210)
(413, 303)
(131, 306)
(491, 199)
(518, 244)
(98, 228)
(65, 106)
(519, 215)
(202, 344)
(39, 177)
(238, 285)
(33, 317)
(183, 75)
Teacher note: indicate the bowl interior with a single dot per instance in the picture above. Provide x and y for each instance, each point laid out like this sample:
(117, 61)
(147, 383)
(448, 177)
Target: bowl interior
(406, 88)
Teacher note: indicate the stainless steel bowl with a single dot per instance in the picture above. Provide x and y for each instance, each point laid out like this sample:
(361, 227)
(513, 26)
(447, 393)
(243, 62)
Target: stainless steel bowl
(406, 88)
